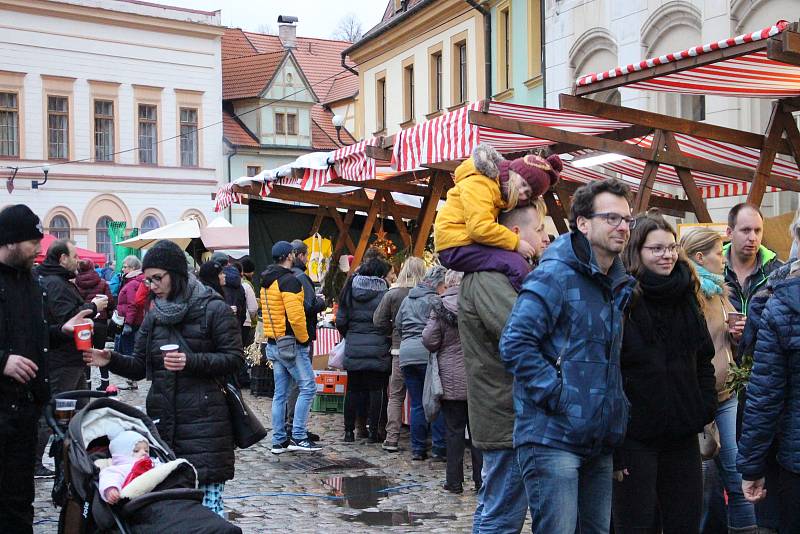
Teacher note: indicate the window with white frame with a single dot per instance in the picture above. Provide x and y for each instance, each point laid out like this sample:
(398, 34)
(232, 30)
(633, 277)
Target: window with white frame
(291, 124)
(59, 227)
(149, 223)
(103, 243)
(9, 124)
(104, 130)
(57, 127)
(189, 137)
(148, 134)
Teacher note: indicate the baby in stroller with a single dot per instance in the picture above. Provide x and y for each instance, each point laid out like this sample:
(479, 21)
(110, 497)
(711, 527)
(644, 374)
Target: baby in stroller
(130, 457)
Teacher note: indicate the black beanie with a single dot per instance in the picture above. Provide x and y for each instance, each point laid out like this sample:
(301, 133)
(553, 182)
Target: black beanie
(168, 256)
(18, 223)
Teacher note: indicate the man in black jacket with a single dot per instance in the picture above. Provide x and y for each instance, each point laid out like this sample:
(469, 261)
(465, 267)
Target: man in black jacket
(65, 362)
(24, 336)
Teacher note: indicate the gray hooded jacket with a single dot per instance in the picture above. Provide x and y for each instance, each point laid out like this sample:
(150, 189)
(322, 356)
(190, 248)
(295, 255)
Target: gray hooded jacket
(411, 320)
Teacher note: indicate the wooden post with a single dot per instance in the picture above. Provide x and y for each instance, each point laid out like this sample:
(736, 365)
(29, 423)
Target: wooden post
(649, 175)
(792, 133)
(363, 241)
(564, 197)
(405, 237)
(689, 185)
(767, 158)
(428, 213)
(556, 212)
(344, 238)
(321, 214)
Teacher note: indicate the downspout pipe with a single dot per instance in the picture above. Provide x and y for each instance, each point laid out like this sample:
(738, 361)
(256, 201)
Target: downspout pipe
(345, 65)
(487, 30)
(230, 155)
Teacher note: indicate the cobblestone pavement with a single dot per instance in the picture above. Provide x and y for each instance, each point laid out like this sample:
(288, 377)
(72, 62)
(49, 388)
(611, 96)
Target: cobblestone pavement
(338, 499)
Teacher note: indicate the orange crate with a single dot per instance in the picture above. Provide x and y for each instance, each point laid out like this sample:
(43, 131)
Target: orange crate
(331, 382)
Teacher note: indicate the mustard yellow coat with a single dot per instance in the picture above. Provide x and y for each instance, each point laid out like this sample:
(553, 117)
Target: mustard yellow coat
(470, 213)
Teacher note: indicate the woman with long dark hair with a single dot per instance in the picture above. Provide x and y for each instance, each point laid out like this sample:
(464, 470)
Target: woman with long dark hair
(669, 380)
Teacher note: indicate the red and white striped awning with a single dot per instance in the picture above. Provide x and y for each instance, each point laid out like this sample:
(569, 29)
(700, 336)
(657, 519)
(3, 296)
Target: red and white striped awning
(747, 74)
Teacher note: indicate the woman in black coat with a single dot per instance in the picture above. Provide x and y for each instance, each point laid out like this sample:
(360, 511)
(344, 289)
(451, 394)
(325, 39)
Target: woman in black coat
(669, 380)
(185, 396)
(367, 356)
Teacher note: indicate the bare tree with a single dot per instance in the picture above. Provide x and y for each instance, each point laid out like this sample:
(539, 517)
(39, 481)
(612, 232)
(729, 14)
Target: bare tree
(266, 28)
(348, 28)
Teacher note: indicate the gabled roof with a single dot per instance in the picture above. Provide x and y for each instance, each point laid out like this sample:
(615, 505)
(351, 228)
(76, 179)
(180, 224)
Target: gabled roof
(236, 44)
(236, 133)
(248, 76)
(342, 88)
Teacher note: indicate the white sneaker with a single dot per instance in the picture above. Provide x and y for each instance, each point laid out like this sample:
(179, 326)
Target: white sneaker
(303, 445)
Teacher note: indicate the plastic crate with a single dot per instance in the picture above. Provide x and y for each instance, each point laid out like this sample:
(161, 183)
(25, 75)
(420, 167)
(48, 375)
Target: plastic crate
(328, 404)
(331, 382)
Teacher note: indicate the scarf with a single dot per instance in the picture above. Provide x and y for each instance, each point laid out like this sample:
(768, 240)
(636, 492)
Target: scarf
(667, 310)
(710, 283)
(172, 312)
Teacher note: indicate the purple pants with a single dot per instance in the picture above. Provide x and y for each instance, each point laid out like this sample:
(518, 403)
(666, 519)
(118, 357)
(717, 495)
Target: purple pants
(474, 258)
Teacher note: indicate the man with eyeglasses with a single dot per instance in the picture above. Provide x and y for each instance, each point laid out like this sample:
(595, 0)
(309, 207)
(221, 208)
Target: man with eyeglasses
(562, 345)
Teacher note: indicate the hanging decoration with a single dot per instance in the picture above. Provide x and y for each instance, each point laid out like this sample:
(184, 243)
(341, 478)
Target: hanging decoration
(382, 243)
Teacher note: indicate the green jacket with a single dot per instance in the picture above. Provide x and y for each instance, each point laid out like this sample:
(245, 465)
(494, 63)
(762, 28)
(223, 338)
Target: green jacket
(767, 261)
(485, 302)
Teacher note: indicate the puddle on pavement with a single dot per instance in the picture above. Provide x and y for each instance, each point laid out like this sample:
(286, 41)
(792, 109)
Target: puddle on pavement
(390, 519)
(233, 515)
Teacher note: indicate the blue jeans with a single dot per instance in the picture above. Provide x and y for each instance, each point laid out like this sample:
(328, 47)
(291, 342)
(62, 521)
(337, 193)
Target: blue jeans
(502, 505)
(565, 490)
(741, 514)
(415, 380)
(300, 371)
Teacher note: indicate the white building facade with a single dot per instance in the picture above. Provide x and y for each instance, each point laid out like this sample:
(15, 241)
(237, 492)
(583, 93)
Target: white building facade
(584, 36)
(122, 101)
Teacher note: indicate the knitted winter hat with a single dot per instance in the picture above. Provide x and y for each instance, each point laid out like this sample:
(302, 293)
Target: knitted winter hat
(540, 173)
(168, 256)
(18, 223)
(124, 443)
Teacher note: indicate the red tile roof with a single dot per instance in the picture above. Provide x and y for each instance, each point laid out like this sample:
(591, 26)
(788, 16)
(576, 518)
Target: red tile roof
(248, 76)
(236, 133)
(342, 88)
(236, 44)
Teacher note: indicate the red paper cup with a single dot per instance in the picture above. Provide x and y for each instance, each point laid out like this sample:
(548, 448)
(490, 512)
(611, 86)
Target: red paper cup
(83, 336)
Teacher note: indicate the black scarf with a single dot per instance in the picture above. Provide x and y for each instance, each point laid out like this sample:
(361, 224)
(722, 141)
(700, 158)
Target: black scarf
(667, 309)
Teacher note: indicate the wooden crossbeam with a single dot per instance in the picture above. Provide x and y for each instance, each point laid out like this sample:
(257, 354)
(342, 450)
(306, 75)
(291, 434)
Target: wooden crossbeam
(649, 175)
(399, 223)
(556, 212)
(626, 149)
(792, 136)
(320, 215)
(785, 48)
(672, 206)
(366, 232)
(344, 239)
(386, 185)
(767, 157)
(652, 120)
(428, 214)
(688, 183)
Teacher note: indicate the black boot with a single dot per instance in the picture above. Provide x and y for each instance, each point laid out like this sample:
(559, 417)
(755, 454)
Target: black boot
(349, 436)
(373, 436)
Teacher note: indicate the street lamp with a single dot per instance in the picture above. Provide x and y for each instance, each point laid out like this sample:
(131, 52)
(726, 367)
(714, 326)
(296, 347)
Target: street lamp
(338, 122)
(35, 183)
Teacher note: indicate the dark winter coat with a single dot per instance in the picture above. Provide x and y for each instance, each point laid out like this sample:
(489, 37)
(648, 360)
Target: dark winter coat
(63, 302)
(441, 336)
(24, 331)
(386, 315)
(126, 302)
(411, 320)
(189, 407)
(312, 303)
(671, 386)
(234, 293)
(366, 346)
(90, 285)
(766, 262)
(562, 344)
(772, 411)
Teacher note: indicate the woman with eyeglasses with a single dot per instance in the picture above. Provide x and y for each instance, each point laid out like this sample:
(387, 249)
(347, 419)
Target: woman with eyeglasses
(669, 380)
(185, 397)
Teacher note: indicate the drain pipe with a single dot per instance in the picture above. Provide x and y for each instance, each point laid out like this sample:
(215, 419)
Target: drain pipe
(230, 208)
(345, 65)
(487, 31)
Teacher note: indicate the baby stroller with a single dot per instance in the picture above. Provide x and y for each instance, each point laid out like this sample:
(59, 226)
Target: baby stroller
(165, 499)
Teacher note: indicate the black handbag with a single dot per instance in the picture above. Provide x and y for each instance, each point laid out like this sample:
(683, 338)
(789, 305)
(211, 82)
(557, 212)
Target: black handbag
(247, 429)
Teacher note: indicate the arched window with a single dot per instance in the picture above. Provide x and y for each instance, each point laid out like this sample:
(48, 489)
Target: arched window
(59, 227)
(103, 243)
(149, 223)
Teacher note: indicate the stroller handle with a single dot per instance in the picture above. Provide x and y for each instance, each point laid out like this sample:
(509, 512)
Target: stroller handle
(50, 407)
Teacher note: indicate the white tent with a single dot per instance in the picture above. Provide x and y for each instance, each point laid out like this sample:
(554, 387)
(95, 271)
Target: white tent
(181, 233)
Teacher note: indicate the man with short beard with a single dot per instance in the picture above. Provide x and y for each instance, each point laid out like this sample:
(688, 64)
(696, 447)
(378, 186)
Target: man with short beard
(24, 336)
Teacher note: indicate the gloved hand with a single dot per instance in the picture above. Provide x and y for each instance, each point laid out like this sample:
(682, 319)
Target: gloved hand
(127, 330)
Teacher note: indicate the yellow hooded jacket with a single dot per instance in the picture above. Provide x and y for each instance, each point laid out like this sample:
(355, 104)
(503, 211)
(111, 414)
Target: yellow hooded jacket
(470, 212)
(282, 295)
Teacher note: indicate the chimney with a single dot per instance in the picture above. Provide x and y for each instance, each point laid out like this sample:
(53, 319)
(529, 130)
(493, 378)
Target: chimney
(287, 31)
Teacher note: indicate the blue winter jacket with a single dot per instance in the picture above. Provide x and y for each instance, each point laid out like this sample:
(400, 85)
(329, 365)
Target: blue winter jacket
(562, 344)
(773, 394)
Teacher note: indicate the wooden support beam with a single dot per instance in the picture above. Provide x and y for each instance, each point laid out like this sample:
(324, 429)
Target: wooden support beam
(672, 206)
(688, 183)
(792, 136)
(622, 134)
(428, 214)
(399, 223)
(321, 214)
(665, 122)
(358, 200)
(386, 185)
(785, 48)
(366, 232)
(767, 158)
(649, 175)
(556, 212)
(378, 153)
(626, 149)
(344, 239)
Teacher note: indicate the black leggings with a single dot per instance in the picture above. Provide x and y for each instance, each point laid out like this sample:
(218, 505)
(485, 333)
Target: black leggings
(664, 489)
(455, 417)
(366, 403)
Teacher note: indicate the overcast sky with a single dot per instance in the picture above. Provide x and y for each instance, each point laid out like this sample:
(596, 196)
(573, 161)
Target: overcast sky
(318, 18)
